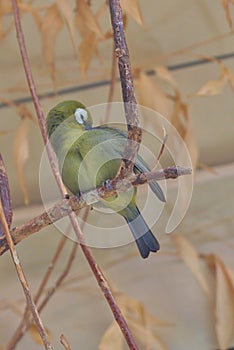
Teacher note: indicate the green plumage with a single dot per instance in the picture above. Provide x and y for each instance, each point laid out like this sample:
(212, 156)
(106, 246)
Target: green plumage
(88, 156)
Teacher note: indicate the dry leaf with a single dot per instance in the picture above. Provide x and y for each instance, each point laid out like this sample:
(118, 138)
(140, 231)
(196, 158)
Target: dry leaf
(65, 342)
(165, 74)
(224, 303)
(216, 86)
(87, 49)
(112, 339)
(33, 331)
(183, 123)
(102, 10)
(24, 112)
(132, 8)
(191, 259)
(212, 87)
(145, 338)
(225, 4)
(150, 94)
(5, 7)
(65, 9)
(189, 136)
(230, 77)
(5, 196)
(21, 153)
(33, 11)
(51, 25)
(141, 323)
(85, 20)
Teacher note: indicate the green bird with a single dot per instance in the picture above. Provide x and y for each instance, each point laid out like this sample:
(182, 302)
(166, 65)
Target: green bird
(90, 156)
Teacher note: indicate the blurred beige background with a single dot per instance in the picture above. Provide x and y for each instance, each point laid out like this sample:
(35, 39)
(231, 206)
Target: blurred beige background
(163, 283)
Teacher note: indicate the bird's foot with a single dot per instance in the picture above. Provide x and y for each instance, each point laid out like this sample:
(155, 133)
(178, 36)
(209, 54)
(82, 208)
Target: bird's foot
(107, 184)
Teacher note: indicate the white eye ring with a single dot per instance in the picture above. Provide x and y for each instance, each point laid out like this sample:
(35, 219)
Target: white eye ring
(81, 115)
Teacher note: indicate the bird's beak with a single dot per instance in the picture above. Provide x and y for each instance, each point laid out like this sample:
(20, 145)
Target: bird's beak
(87, 126)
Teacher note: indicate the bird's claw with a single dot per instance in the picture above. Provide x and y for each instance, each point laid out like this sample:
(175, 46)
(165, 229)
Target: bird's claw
(107, 184)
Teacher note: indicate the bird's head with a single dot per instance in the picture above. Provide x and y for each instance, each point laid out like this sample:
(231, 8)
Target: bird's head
(73, 112)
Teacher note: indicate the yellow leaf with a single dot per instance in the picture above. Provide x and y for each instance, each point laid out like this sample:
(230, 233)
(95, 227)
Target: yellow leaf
(133, 9)
(191, 259)
(225, 4)
(224, 303)
(112, 338)
(51, 25)
(33, 331)
(85, 20)
(150, 94)
(21, 153)
(87, 49)
(65, 9)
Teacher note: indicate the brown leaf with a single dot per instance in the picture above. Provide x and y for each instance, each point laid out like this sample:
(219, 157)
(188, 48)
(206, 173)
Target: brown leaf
(150, 94)
(65, 342)
(35, 335)
(164, 74)
(189, 136)
(224, 303)
(191, 259)
(225, 4)
(112, 339)
(87, 49)
(133, 9)
(141, 323)
(230, 76)
(183, 123)
(51, 25)
(216, 86)
(33, 11)
(5, 7)
(85, 20)
(5, 196)
(66, 11)
(212, 87)
(21, 153)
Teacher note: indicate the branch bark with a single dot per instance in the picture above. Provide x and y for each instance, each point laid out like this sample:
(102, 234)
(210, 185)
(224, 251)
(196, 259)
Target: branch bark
(74, 204)
(126, 78)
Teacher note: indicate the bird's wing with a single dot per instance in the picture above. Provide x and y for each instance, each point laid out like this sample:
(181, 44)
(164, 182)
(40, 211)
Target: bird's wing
(142, 167)
(114, 141)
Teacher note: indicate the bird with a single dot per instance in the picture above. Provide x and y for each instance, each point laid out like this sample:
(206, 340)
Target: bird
(90, 156)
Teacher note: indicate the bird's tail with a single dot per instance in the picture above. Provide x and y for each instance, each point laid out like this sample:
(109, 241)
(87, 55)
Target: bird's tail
(145, 240)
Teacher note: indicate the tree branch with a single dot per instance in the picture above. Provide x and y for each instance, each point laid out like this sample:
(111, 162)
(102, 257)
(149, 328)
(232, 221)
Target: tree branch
(28, 295)
(95, 268)
(66, 206)
(130, 105)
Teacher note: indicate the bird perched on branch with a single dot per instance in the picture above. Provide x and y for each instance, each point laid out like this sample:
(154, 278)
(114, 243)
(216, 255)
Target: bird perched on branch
(90, 156)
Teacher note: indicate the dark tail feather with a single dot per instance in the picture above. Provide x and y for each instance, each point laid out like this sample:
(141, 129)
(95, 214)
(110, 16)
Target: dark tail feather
(145, 240)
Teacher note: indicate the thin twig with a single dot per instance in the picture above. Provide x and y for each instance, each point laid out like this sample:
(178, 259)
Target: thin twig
(25, 321)
(23, 281)
(130, 105)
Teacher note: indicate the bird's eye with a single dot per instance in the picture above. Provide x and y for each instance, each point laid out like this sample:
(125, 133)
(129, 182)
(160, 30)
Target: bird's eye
(81, 115)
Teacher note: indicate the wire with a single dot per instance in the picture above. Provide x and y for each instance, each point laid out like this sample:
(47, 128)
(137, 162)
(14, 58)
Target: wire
(101, 83)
